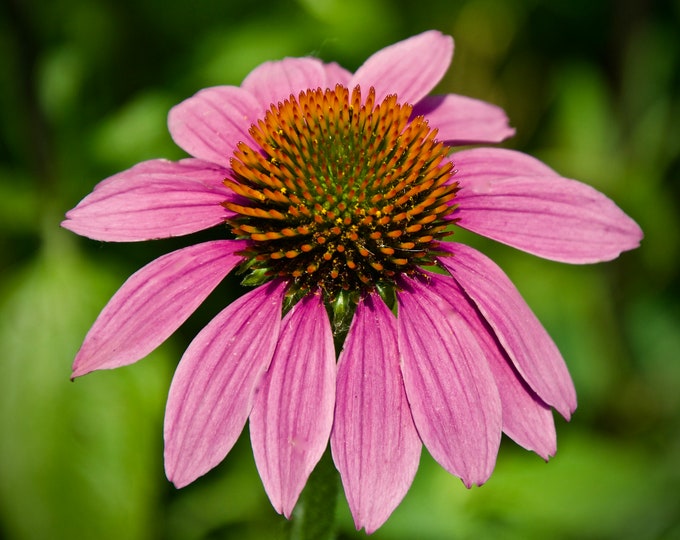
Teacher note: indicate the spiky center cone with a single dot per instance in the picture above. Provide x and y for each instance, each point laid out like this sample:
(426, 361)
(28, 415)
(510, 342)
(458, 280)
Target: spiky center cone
(340, 195)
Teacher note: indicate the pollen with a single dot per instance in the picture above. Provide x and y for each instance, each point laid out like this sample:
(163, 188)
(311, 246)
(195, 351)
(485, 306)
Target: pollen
(341, 193)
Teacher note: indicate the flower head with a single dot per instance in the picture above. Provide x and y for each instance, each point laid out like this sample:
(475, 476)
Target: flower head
(339, 192)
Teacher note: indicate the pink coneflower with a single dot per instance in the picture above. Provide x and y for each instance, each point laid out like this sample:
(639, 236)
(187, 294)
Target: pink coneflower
(339, 191)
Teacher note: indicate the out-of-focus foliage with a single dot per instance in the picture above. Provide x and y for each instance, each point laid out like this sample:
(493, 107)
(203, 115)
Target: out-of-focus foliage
(593, 88)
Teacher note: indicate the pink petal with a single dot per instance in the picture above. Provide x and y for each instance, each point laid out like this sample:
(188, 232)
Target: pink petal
(532, 351)
(293, 411)
(452, 393)
(463, 120)
(153, 303)
(409, 68)
(478, 165)
(212, 122)
(549, 216)
(214, 386)
(526, 419)
(273, 82)
(336, 74)
(154, 199)
(374, 442)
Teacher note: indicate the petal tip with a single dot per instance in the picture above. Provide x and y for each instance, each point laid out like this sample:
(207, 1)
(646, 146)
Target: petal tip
(179, 484)
(70, 223)
(178, 471)
(77, 373)
(81, 366)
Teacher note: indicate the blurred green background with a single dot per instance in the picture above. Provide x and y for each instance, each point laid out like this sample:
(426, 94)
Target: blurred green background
(592, 87)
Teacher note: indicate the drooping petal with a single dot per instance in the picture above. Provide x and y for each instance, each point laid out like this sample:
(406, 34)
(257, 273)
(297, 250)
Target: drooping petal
(526, 419)
(153, 303)
(293, 412)
(275, 81)
(212, 122)
(154, 199)
(374, 442)
(532, 351)
(214, 386)
(549, 216)
(453, 396)
(464, 120)
(409, 68)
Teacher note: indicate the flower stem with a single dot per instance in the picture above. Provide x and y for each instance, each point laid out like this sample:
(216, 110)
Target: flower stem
(314, 514)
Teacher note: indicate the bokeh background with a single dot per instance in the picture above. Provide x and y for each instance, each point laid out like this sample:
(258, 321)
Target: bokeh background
(593, 88)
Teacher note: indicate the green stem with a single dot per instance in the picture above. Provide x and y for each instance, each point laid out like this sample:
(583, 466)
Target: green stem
(314, 514)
